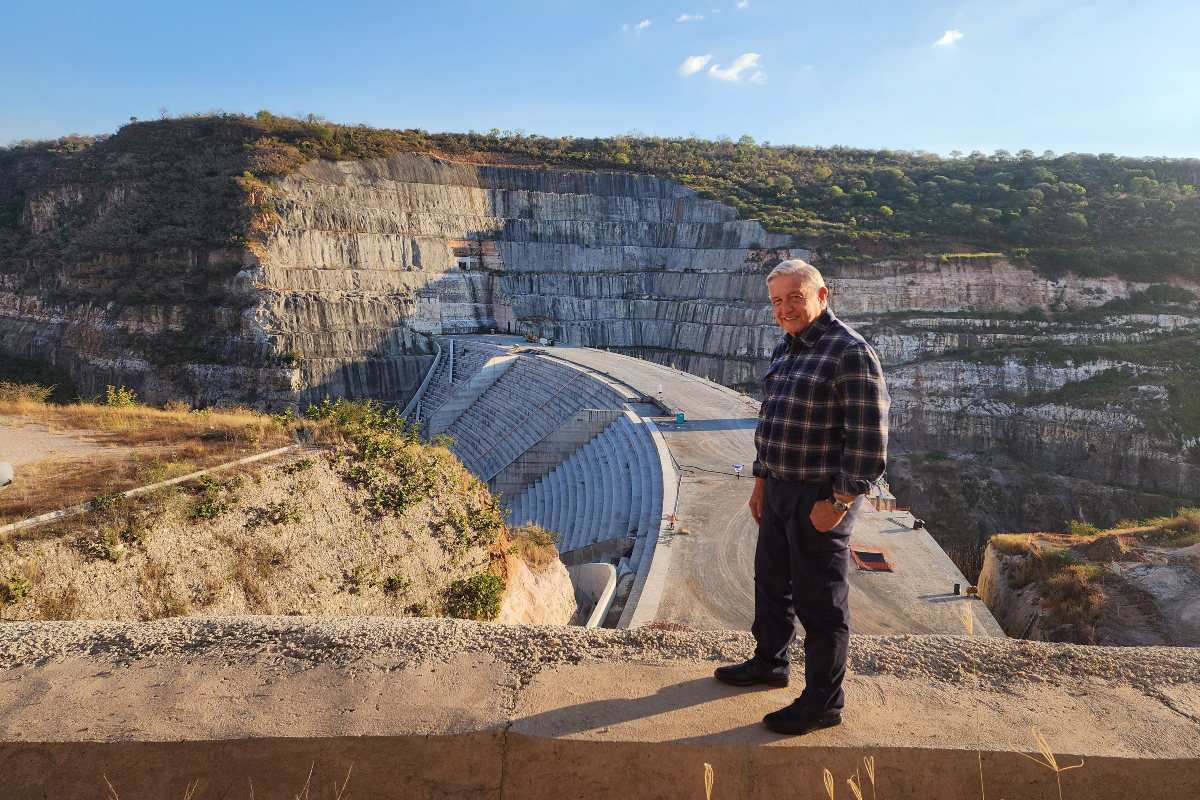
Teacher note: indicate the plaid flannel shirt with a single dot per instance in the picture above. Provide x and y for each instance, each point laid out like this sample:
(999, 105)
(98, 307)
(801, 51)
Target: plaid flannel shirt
(825, 409)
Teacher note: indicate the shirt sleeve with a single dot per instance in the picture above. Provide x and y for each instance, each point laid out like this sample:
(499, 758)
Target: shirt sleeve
(860, 384)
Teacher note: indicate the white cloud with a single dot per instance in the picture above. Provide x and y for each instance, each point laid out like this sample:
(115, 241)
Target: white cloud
(686, 17)
(758, 77)
(734, 71)
(950, 38)
(693, 64)
(637, 29)
(744, 3)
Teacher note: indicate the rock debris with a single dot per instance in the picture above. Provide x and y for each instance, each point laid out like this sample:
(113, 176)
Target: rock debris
(403, 643)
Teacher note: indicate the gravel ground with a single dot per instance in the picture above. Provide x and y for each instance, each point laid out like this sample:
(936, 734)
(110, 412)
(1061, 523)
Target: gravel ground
(405, 642)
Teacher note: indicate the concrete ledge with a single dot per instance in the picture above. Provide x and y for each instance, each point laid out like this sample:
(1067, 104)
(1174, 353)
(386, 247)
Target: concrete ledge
(444, 708)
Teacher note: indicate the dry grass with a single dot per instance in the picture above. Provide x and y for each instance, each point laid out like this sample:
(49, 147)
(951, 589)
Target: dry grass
(148, 445)
(855, 781)
(534, 545)
(1070, 568)
(1068, 586)
(1013, 544)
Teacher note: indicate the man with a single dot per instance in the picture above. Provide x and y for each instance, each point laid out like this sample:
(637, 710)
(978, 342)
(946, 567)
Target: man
(822, 443)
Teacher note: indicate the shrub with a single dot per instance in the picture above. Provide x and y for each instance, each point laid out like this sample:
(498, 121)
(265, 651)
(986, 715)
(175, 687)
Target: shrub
(477, 597)
(103, 544)
(284, 419)
(395, 584)
(283, 512)
(362, 575)
(209, 506)
(14, 589)
(483, 526)
(135, 533)
(115, 397)
(24, 392)
(177, 406)
(296, 467)
(1077, 528)
(107, 502)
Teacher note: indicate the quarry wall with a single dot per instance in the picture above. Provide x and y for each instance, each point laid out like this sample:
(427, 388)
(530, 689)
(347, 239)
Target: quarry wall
(368, 260)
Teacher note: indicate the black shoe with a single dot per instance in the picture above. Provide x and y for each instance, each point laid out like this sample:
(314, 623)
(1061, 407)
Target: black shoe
(796, 720)
(748, 674)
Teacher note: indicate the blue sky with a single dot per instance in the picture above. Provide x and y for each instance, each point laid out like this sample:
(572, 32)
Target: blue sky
(937, 76)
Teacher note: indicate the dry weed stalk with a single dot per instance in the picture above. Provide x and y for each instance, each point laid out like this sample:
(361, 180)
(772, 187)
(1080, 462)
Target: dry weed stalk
(855, 780)
(855, 787)
(187, 793)
(967, 615)
(1051, 762)
(342, 790)
(303, 793)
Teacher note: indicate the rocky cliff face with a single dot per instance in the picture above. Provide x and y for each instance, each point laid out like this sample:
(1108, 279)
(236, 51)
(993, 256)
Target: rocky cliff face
(369, 256)
(1018, 401)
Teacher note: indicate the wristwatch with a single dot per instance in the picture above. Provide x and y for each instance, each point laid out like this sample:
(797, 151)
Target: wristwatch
(839, 505)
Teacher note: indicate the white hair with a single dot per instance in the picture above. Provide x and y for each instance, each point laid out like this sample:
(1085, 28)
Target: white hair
(810, 276)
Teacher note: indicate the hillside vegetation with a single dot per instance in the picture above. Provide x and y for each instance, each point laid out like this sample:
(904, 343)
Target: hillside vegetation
(197, 183)
(374, 523)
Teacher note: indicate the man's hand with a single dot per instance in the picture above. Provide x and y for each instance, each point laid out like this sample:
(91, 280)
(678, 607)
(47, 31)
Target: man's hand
(756, 499)
(824, 516)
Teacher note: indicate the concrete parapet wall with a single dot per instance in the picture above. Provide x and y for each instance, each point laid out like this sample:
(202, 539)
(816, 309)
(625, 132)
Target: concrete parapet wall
(423, 708)
(491, 765)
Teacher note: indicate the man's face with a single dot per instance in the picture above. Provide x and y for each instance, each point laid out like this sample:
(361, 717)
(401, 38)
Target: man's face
(796, 306)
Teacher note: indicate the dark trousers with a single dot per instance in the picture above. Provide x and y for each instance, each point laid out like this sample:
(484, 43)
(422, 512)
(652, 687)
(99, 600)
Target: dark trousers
(801, 573)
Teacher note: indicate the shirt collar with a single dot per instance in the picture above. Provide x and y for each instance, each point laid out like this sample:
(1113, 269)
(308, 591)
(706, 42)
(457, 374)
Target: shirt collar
(814, 331)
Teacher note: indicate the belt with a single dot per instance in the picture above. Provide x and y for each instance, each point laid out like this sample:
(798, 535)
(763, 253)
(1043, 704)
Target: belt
(809, 481)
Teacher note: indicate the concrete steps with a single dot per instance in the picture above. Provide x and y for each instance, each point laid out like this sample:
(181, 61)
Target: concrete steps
(527, 402)
(469, 358)
(610, 487)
